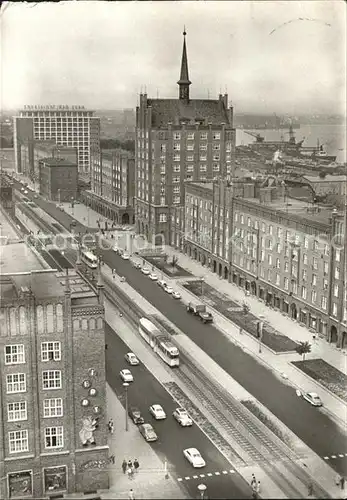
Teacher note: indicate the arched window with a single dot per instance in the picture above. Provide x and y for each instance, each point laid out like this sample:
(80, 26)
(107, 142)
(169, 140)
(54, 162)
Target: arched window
(100, 323)
(92, 324)
(39, 319)
(22, 321)
(76, 324)
(60, 319)
(84, 324)
(50, 318)
(13, 322)
(3, 323)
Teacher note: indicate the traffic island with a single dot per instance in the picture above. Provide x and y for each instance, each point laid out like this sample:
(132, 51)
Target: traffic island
(241, 316)
(326, 375)
(166, 266)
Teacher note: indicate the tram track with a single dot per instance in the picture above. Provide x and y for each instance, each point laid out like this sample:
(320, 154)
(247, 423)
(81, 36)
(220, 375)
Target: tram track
(237, 422)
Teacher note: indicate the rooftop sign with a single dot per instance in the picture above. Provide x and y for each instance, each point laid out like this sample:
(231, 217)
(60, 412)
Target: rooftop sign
(52, 107)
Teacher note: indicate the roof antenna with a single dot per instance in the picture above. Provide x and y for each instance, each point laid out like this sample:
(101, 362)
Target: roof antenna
(208, 93)
(226, 89)
(145, 89)
(157, 93)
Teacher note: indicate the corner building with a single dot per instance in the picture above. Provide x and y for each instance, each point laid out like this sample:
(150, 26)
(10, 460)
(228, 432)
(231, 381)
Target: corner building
(177, 141)
(288, 253)
(53, 389)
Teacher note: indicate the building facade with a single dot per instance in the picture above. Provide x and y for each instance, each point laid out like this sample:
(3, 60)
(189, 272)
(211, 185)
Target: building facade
(112, 185)
(287, 253)
(72, 126)
(177, 141)
(53, 392)
(58, 179)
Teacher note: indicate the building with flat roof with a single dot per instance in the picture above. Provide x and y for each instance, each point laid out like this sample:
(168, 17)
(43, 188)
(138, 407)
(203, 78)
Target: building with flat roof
(112, 185)
(67, 126)
(53, 392)
(58, 179)
(287, 252)
(177, 141)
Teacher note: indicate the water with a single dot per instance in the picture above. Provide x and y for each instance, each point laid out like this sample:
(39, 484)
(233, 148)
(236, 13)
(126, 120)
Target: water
(333, 137)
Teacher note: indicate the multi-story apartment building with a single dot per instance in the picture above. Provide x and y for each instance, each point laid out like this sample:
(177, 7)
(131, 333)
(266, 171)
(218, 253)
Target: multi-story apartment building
(58, 179)
(112, 185)
(177, 141)
(68, 126)
(287, 252)
(53, 389)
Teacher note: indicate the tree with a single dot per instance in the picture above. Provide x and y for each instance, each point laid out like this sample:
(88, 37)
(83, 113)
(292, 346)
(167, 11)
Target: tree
(245, 308)
(303, 348)
(322, 174)
(174, 261)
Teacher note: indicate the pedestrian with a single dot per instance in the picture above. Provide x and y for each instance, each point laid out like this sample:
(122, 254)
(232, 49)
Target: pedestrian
(113, 459)
(240, 331)
(342, 482)
(130, 464)
(253, 480)
(111, 426)
(131, 495)
(106, 346)
(258, 488)
(124, 466)
(130, 472)
(337, 480)
(136, 465)
(310, 490)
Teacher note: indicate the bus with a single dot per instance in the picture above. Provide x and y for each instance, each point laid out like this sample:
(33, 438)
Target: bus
(159, 342)
(89, 258)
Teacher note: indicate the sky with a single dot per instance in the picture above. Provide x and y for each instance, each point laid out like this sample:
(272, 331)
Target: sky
(103, 54)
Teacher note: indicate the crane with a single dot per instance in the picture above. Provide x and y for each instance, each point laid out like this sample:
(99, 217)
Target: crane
(258, 137)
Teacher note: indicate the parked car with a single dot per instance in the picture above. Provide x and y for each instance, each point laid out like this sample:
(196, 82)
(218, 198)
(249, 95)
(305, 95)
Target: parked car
(182, 417)
(176, 295)
(137, 265)
(131, 359)
(162, 283)
(157, 412)
(194, 457)
(168, 289)
(125, 256)
(145, 271)
(313, 398)
(200, 311)
(153, 277)
(135, 415)
(126, 375)
(148, 432)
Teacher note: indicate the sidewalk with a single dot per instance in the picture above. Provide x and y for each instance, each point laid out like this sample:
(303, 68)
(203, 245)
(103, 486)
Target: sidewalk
(150, 481)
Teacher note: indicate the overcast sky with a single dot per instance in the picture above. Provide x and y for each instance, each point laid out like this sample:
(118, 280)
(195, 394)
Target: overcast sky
(101, 54)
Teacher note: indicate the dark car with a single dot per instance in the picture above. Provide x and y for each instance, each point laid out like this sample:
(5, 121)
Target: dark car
(135, 415)
(148, 432)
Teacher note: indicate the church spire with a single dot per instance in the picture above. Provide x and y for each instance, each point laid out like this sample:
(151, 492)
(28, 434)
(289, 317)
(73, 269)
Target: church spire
(184, 81)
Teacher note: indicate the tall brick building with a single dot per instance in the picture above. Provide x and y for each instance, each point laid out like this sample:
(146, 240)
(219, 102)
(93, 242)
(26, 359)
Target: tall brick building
(177, 141)
(287, 252)
(53, 389)
(58, 179)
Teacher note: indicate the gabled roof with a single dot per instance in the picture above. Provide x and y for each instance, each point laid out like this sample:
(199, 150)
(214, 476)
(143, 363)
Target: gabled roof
(176, 110)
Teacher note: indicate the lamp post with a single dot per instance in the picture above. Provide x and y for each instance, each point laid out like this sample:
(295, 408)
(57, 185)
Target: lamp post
(202, 488)
(126, 385)
(202, 286)
(59, 196)
(260, 330)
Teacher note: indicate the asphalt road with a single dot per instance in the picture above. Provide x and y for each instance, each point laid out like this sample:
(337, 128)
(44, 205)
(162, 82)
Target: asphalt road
(173, 439)
(315, 428)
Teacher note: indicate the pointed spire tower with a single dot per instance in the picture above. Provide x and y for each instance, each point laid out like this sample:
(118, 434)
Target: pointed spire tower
(184, 81)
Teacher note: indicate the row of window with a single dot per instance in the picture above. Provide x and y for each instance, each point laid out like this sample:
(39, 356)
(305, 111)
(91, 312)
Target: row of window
(15, 353)
(52, 407)
(19, 440)
(16, 382)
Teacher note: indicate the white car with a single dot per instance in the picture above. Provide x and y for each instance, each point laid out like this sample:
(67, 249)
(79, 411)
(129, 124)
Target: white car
(125, 256)
(145, 271)
(153, 277)
(162, 283)
(313, 398)
(126, 375)
(168, 289)
(182, 417)
(193, 456)
(137, 265)
(131, 359)
(157, 412)
(176, 295)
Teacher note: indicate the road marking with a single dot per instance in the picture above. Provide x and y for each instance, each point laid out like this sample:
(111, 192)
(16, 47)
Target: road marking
(202, 475)
(326, 458)
(225, 472)
(341, 455)
(195, 477)
(209, 474)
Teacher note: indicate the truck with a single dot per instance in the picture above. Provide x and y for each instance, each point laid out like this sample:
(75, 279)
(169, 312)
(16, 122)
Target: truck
(200, 311)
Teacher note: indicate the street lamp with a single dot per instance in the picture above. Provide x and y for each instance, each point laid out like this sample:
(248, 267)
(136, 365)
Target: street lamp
(126, 385)
(202, 488)
(202, 286)
(260, 325)
(59, 196)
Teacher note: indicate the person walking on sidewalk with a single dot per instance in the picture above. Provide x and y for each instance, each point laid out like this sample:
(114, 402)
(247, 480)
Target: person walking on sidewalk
(342, 483)
(111, 426)
(337, 480)
(240, 331)
(131, 495)
(136, 465)
(124, 466)
(258, 488)
(130, 472)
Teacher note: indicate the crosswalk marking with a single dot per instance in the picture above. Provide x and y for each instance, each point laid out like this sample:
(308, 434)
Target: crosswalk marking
(208, 474)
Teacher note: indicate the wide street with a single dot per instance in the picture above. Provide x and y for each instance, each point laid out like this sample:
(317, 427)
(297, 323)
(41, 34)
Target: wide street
(145, 391)
(312, 426)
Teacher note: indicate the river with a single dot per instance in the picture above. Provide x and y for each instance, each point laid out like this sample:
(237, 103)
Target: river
(333, 137)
